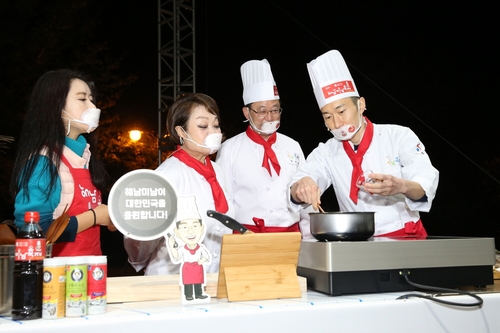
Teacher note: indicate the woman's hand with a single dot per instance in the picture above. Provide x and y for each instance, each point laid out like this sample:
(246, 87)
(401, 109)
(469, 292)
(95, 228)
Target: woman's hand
(86, 219)
(102, 217)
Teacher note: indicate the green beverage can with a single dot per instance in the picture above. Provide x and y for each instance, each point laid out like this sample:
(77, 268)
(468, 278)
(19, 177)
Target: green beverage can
(76, 286)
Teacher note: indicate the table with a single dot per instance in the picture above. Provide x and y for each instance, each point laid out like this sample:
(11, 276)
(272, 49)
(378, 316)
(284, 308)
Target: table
(379, 312)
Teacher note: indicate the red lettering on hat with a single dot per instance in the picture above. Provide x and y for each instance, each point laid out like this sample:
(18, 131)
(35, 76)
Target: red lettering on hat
(338, 88)
(275, 91)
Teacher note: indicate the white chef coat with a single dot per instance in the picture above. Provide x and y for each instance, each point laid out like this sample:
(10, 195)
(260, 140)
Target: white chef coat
(255, 192)
(394, 150)
(153, 255)
(185, 255)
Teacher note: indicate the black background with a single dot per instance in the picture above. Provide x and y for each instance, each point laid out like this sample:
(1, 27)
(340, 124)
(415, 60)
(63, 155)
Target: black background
(427, 66)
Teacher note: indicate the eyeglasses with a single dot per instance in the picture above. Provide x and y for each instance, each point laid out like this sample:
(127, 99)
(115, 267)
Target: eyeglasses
(263, 113)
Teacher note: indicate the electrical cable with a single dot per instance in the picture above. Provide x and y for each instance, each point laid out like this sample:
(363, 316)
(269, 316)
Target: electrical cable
(479, 302)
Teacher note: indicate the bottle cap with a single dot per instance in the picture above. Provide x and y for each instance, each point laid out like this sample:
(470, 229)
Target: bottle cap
(97, 260)
(56, 261)
(31, 217)
(76, 260)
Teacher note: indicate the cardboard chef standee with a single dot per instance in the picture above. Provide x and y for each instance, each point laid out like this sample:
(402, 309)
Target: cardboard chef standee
(185, 247)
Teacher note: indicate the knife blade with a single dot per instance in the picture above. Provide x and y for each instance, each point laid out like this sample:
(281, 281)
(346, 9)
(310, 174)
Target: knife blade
(228, 222)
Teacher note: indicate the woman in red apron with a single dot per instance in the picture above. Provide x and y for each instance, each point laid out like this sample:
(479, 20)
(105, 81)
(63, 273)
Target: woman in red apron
(53, 167)
(85, 197)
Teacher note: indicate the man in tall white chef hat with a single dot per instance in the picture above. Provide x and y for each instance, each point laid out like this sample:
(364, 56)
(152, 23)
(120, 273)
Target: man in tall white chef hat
(260, 162)
(372, 167)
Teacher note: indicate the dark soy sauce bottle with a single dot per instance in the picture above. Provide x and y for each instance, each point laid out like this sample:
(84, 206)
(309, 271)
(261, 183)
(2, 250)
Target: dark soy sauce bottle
(28, 269)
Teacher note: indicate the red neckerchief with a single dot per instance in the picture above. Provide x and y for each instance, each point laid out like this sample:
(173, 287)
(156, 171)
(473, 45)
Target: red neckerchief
(192, 251)
(207, 171)
(268, 151)
(357, 157)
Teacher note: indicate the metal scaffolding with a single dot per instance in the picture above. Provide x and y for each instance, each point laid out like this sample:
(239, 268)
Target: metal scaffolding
(176, 60)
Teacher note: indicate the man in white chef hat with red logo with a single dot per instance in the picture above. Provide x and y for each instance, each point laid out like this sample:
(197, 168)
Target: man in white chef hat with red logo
(372, 167)
(260, 162)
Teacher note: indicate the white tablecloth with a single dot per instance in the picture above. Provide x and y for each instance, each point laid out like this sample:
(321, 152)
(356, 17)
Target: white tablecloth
(312, 312)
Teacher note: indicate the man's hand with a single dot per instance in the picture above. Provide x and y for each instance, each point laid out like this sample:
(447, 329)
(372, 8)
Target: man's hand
(306, 190)
(387, 185)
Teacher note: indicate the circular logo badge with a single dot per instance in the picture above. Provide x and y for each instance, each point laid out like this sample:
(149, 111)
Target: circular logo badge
(47, 276)
(77, 275)
(97, 274)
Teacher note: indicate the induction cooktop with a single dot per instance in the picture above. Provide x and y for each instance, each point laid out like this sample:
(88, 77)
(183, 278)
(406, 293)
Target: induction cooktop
(380, 263)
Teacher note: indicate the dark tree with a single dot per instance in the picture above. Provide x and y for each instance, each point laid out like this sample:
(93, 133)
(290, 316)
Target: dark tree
(38, 36)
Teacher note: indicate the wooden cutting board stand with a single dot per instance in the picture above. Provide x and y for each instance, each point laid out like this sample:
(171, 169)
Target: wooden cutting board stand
(259, 266)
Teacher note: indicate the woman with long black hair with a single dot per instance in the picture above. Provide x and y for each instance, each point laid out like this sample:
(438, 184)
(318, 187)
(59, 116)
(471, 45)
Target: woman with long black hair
(54, 168)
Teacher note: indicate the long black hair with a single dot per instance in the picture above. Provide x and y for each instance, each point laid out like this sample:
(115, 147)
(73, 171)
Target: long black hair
(44, 129)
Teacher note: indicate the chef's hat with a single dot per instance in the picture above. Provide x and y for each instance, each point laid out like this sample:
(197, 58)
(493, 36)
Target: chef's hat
(258, 82)
(330, 78)
(187, 208)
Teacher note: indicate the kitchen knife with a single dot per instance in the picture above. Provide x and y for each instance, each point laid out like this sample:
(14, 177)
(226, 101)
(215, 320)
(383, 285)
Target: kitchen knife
(228, 221)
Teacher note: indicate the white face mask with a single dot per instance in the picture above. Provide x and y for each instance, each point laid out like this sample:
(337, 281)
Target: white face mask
(268, 127)
(212, 141)
(89, 117)
(346, 132)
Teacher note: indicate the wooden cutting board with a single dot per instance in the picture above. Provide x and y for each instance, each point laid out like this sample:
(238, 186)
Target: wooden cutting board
(259, 266)
(158, 287)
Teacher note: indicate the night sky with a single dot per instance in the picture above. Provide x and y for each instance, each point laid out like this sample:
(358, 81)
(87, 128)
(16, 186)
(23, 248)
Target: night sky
(418, 64)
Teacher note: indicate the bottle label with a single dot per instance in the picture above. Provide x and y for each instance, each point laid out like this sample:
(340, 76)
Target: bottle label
(54, 292)
(76, 290)
(96, 288)
(30, 249)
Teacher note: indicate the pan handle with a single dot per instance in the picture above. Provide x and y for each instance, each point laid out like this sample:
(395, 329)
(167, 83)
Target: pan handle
(227, 221)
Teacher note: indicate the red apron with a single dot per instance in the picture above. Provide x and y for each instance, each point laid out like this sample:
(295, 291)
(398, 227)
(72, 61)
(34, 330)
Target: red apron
(260, 227)
(86, 196)
(411, 229)
(192, 272)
